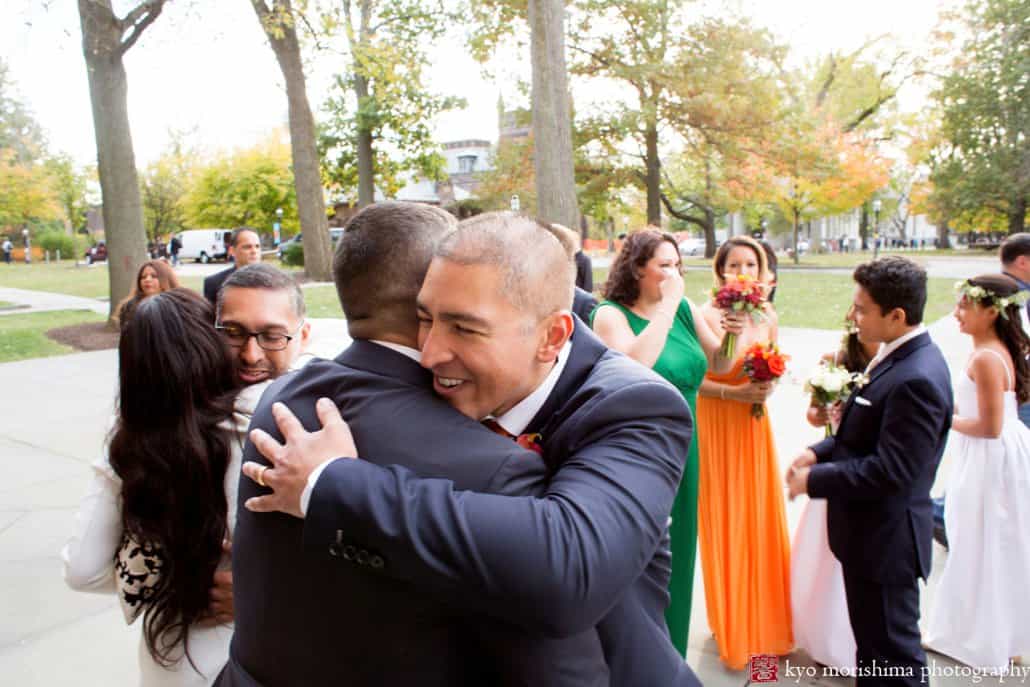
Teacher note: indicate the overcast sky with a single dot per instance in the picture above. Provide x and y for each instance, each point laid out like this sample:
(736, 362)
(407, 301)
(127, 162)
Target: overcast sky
(211, 70)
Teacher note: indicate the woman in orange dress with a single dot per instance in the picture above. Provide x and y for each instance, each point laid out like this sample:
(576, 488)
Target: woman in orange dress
(745, 548)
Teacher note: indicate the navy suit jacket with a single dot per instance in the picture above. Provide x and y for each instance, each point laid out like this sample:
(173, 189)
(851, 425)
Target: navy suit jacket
(308, 618)
(214, 282)
(592, 552)
(877, 471)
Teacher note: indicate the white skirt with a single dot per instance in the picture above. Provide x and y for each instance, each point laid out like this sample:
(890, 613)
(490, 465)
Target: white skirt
(820, 608)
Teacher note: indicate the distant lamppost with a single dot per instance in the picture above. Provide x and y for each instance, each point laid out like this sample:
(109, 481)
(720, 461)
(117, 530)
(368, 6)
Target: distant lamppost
(28, 246)
(277, 228)
(877, 205)
(515, 204)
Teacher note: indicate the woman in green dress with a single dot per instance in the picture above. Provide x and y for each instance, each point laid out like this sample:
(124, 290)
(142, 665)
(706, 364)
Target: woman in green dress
(645, 316)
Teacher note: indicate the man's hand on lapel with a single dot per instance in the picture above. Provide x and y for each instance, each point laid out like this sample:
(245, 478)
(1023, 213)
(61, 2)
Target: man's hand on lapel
(294, 461)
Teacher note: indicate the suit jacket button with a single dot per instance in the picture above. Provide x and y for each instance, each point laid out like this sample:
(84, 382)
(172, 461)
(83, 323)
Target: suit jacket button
(349, 552)
(363, 557)
(377, 562)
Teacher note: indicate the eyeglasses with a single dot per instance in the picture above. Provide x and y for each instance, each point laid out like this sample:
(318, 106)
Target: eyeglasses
(270, 341)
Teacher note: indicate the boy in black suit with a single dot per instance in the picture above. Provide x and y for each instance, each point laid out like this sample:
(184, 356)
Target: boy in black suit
(877, 471)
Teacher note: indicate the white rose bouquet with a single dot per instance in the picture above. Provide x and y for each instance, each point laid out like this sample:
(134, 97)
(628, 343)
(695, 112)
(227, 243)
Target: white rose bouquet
(830, 384)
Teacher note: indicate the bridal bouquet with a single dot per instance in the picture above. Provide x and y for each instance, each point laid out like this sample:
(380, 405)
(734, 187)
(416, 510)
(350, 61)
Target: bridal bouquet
(741, 293)
(831, 383)
(764, 363)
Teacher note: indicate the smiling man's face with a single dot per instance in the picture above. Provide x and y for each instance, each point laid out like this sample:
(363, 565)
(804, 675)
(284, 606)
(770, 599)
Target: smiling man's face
(484, 353)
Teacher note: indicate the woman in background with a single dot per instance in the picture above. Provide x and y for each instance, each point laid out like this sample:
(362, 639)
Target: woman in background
(645, 316)
(745, 549)
(153, 277)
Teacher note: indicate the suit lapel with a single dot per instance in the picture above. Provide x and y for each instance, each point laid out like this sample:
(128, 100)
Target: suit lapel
(885, 365)
(383, 361)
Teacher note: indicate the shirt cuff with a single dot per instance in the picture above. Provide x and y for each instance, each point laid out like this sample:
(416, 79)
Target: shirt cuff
(305, 496)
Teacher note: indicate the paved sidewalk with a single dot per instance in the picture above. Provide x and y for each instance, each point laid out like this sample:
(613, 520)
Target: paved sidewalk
(41, 301)
(53, 416)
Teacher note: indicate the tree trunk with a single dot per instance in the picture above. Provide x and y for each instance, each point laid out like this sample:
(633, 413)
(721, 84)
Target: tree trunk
(1017, 216)
(709, 231)
(797, 229)
(653, 175)
(943, 240)
(307, 177)
(366, 163)
(863, 226)
(552, 115)
(116, 163)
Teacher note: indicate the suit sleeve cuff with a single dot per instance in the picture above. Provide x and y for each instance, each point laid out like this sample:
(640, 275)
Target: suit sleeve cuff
(824, 449)
(305, 496)
(820, 479)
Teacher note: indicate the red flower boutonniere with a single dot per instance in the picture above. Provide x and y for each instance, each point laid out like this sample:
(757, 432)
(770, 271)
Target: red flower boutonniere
(531, 442)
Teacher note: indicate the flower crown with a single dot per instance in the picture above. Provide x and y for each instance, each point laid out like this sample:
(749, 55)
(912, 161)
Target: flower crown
(986, 297)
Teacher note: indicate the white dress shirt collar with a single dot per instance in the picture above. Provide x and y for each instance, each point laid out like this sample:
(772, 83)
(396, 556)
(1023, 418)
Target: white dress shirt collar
(516, 420)
(888, 348)
(412, 353)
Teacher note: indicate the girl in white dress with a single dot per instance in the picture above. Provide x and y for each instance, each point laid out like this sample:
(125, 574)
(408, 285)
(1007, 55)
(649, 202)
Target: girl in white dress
(982, 605)
(163, 500)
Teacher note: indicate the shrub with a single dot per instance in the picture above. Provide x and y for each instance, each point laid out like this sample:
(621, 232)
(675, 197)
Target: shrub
(293, 256)
(54, 241)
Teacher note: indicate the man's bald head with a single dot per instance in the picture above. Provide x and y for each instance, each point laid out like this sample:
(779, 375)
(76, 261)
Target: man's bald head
(536, 274)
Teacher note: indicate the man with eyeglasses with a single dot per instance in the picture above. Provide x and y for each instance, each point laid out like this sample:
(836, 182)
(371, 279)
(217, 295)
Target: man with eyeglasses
(260, 313)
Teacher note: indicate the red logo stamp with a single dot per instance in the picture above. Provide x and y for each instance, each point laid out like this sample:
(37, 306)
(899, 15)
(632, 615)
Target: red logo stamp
(764, 668)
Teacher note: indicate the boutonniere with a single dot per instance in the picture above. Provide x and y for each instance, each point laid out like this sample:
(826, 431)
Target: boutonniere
(531, 442)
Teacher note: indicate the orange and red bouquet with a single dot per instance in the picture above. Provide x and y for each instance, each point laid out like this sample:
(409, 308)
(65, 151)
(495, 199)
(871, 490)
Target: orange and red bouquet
(764, 363)
(740, 293)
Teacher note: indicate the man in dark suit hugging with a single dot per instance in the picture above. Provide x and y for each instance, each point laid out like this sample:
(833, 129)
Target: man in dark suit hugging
(877, 471)
(503, 348)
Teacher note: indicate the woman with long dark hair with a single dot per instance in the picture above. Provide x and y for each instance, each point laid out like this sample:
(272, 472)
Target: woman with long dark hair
(646, 316)
(153, 277)
(982, 603)
(164, 500)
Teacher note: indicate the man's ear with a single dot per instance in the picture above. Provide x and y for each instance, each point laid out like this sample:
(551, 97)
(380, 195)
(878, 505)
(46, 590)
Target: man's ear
(557, 329)
(898, 317)
(305, 336)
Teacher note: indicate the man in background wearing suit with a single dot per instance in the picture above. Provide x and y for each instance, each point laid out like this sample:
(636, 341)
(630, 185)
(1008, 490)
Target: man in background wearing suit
(320, 618)
(594, 549)
(877, 471)
(245, 247)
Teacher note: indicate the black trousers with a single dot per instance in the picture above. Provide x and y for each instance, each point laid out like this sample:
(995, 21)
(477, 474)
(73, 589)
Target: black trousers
(885, 620)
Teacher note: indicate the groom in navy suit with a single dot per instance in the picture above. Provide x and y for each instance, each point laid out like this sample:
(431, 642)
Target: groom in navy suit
(877, 471)
(593, 550)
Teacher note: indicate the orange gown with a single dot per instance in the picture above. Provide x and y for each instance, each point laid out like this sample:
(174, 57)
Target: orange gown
(742, 528)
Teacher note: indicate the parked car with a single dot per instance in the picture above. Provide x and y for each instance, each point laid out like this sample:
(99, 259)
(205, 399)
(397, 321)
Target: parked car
(334, 236)
(97, 253)
(205, 245)
(692, 247)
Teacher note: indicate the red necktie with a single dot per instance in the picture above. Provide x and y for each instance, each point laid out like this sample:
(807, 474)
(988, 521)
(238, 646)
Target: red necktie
(526, 441)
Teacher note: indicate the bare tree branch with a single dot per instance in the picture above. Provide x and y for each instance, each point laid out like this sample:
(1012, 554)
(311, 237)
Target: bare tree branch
(139, 19)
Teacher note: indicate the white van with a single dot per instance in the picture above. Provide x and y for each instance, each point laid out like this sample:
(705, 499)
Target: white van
(205, 245)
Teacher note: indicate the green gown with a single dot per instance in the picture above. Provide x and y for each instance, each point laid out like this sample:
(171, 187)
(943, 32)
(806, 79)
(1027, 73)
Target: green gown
(683, 363)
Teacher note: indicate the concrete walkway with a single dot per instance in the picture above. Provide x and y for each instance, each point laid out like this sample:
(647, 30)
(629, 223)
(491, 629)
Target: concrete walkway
(42, 301)
(53, 416)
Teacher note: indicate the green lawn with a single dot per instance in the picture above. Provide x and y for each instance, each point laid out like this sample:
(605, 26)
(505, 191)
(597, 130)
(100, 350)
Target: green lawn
(65, 277)
(321, 301)
(24, 336)
(816, 300)
(847, 260)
